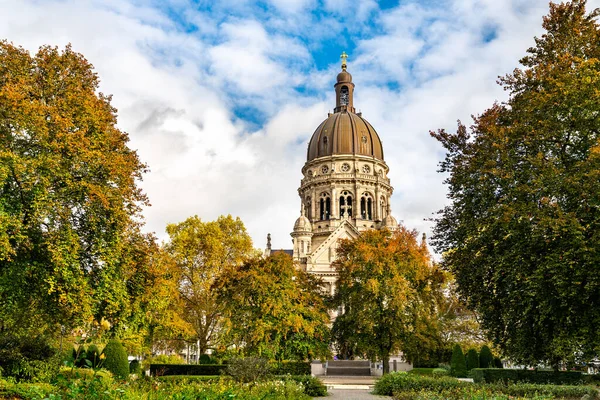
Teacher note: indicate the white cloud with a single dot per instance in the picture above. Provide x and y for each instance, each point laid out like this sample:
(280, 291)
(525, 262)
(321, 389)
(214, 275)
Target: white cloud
(176, 91)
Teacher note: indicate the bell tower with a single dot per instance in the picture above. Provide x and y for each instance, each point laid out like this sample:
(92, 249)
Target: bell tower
(344, 89)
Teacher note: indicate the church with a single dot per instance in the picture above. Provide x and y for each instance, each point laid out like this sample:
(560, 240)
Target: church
(345, 187)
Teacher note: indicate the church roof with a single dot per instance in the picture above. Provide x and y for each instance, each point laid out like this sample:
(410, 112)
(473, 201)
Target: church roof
(345, 133)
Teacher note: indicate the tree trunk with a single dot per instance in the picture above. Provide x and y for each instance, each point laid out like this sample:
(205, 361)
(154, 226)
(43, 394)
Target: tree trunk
(386, 363)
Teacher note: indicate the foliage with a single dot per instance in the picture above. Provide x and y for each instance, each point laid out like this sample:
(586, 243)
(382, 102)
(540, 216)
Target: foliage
(135, 367)
(313, 386)
(275, 310)
(394, 382)
(289, 368)
(498, 363)
(28, 358)
(486, 359)
(162, 359)
(458, 365)
(202, 251)
(492, 375)
(186, 369)
(162, 389)
(437, 372)
(421, 371)
(406, 386)
(116, 359)
(248, 369)
(69, 200)
(387, 288)
(206, 359)
(472, 359)
(521, 232)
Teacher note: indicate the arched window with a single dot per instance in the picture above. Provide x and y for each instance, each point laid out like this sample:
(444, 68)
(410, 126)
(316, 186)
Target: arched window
(325, 206)
(346, 204)
(344, 96)
(366, 206)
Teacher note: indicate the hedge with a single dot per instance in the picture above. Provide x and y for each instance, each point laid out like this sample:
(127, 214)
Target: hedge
(276, 368)
(187, 369)
(396, 383)
(290, 368)
(493, 375)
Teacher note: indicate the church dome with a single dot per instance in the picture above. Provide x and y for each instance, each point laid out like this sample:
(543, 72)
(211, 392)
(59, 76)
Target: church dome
(302, 225)
(390, 222)
(345, 132)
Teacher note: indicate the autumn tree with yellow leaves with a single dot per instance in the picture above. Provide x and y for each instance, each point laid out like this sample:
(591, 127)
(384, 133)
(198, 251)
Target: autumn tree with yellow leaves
(388, 289)
(202, 252)
(69, 196)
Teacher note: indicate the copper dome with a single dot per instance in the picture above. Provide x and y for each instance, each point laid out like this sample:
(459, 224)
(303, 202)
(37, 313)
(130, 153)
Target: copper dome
(345, 133)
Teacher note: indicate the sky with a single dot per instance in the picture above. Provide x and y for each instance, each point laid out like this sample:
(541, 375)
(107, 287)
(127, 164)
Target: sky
(220, 98)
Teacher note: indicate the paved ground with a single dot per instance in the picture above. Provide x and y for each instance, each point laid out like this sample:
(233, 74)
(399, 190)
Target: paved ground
(346, 394)
(350, 388)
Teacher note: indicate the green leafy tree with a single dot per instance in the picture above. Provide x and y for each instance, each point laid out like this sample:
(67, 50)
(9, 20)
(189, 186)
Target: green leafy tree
(202, 251)
(472, 359)
(274, 310)
(388, 288)
(458, 366)
(115, 359)
(521, 232)
(68, 194)
(486, 359)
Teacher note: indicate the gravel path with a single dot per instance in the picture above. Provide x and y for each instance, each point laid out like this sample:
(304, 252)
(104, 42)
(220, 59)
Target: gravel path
(351, 394)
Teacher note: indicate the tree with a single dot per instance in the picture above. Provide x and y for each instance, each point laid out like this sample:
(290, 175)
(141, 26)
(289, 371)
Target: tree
(472, 359)
(486, 359)
(521, 232)
(387, 287)
(202, 251)
(274, 310)
(458, 366)
(69, 198)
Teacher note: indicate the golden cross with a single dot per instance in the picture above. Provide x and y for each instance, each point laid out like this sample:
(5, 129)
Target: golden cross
(344, 56)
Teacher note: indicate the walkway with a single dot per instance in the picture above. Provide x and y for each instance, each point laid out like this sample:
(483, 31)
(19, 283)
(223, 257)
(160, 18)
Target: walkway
(350, 388)
(351, 394)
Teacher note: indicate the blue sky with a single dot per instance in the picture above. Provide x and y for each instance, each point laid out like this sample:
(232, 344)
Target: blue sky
(220, 98)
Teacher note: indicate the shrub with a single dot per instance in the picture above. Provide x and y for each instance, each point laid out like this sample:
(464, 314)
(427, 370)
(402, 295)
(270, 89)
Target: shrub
(554, 391)
(486, 359)
(162, 359)
(312, 385)
(498, 363)
(116, 359)
(248, 369)
(135, 367)
(472, 359)
(437, 372)
(401, 381)
(458, 366)
(187, 369)
(493, 375)
(28, 358)
(289, 368)
(205, 359)
(421, 371)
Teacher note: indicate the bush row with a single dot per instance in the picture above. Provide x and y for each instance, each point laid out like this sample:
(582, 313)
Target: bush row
(275, 368)
(493, 375)
(403, 386)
